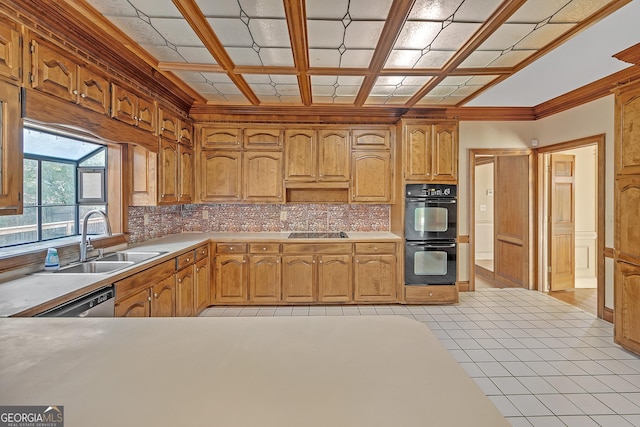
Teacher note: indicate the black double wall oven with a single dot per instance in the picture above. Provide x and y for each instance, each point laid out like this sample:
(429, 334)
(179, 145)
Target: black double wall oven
(431, 214)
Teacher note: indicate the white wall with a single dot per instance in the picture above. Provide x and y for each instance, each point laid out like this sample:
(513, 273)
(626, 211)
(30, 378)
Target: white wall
(484, 218)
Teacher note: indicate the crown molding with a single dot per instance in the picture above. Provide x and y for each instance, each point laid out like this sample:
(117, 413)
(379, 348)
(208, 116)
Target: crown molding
(630, 55)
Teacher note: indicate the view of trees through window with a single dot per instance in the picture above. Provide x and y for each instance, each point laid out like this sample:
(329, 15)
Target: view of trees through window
(51, 207)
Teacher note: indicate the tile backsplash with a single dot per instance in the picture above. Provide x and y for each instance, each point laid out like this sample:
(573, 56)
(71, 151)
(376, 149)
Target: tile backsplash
(165, 220)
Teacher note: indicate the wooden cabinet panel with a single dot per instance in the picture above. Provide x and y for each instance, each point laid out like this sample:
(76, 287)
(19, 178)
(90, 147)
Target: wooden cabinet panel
(417, 147)
(333, 155)
(370, 139)
(433, 294)
(231, 278)
(144, 170)
(185, 260)
(265, 278)
(375, 278)
(431, 152)
(225, 138)
(264, 248)
(628, 219)
(298, 278)
(201, 288)
(371, 181)
(300, 155)
(184, 292)
(231, 248)
(627, 306)
(334, 278)
(186, 133)
(146, 114)
(445, 152)
(9, 49)
(168, 124)
(53, 72)
(185, 175)
(628, 122)
(168, 171)
(93, 91)
(263, 139)
(220, 175)
(163, 297)
(11, 167)
(135, 305)
(133, 109)
(263, 176)
(202, 252)
(375, 248)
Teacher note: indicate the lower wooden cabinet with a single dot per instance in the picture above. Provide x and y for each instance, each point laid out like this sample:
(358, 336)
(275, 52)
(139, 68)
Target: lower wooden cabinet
(265, 278)
(375, 278)
(135, 305)
(231, 278)
(627, 306)
(201, 287)
(298, 278)
(163, 295)
(334, 278)
(184, 291)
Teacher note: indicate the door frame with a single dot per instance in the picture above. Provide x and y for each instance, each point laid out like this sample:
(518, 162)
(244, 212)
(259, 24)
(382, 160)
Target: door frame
(599, 142)
(533, 252)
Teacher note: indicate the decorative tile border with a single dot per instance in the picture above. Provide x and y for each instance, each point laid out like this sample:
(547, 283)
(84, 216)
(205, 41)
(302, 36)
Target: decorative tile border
(165, 220)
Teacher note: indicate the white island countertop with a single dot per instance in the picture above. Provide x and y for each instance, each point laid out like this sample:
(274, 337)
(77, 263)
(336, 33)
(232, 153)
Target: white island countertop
(285, 372)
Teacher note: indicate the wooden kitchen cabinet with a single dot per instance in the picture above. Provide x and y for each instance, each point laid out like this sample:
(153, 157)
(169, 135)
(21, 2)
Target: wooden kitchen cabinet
(300, 153)
(202, 286)
(11, 167)
(163, 296)
(9, 50)
(627, 304)
(317, 157)
(133, 109)
(333, 155)
(168, 126)
(231, 273)
(185, 136)
(431, 152)
(334, 278)
(263, 138)
(220, 176)
(220, 138)
(186, 175)
(137, 304)
(168, 170)
(262, 172)
(185, 280)
(371, 139)
(371, 181)
(265, 272)
(298, 278)
(375, 272)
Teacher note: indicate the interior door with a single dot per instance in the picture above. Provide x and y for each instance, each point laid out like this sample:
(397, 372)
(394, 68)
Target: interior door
(511, 244)
(562, 227)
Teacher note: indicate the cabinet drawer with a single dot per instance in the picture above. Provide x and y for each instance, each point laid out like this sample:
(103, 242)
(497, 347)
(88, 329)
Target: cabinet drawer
(126, 286)
(231, 248)
(264, 248)
(431, 294)
(317, 248)
(375, 248)
(184, 260)
(202, 252)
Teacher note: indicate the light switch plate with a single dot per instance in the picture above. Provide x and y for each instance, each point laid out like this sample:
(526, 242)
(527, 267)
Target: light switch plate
(146, 219)
(205, 214)
(283, 215)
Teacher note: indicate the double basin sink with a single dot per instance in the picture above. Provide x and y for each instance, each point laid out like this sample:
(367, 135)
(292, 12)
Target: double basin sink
(109, 263)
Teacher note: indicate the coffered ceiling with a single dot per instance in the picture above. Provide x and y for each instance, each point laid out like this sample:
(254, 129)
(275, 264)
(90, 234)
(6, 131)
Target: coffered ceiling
(351, 53)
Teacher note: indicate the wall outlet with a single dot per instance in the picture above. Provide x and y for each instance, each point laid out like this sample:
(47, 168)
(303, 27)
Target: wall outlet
(145, 219)
(205, 214)
(283, 215)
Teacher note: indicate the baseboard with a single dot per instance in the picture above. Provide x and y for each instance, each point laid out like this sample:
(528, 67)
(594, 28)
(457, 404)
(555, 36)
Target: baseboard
(607, 314)
(484, 273)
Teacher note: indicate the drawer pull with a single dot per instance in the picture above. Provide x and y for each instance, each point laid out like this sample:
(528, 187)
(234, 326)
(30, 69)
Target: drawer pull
(264, 249)
(188, 259)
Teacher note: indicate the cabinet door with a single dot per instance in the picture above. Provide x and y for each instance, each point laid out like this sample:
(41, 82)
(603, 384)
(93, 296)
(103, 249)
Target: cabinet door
(53, 72)
(144, 184)
(628, 219)
(163, 297)
(445, 153)
(333, 155)
(184, 292)
(11, 168)
(185, 175)
(264, 278)
(9, 49)
(298, 278)
(334, 278)
(300, 155)
(627, 304)
(216, 138)
(93, 91)
(417, 147)
(135, 305)
(124, 105)
(263, 139)
(186, 133)
(168, 124)
(146, 114)
(371, 181)
(201, 297)
(231, 278)
(628, 122)
(262, 176)
(375, 278)
(370, 139)
(168, 171)
(221, 175)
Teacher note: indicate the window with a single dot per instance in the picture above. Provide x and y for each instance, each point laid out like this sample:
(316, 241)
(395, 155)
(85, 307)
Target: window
(64, 178)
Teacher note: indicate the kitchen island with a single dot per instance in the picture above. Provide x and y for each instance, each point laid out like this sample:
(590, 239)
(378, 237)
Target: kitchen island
(303, 371)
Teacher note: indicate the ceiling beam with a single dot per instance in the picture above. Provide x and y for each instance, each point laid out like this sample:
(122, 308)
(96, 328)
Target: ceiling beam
(630, 55)
(193, 15)
(296, 14)
(398, 13)
(506, 9)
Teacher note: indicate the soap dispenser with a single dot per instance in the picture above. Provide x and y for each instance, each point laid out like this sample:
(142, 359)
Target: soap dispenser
(52, 262)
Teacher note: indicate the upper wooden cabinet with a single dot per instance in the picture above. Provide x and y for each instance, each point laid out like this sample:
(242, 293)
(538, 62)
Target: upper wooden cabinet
(220, 175)
(168, 124)
(262, 173)
(133, 109)
(431, 152)
(10, 150)
(169, 163)
(321, 156)
(371, 139)
(186, 132)
(263, 139)
(627, 151)
(93, 91)
(9, 50)
(220, 138)
(372, 174)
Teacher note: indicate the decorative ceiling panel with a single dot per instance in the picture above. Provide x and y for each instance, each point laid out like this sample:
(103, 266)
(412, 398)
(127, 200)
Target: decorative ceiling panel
(348, 52)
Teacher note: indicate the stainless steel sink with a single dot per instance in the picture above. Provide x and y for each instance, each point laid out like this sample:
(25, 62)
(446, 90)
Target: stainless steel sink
(95, 267)
(129, 256)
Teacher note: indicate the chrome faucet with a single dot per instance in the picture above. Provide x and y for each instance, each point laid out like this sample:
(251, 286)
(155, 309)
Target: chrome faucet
(85, 242)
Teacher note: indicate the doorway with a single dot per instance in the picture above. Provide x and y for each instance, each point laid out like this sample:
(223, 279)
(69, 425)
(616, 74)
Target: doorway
(571, 222)
(502, 233)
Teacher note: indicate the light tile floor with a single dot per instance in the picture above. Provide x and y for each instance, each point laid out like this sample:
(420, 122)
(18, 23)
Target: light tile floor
(541, 361)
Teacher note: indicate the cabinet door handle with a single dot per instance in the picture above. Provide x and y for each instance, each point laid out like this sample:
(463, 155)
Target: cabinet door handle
(83, 95)
(197, 270)
(148, 298)
(264, 249)
(179, 280)
(155, 295)
(188, 259)
(75, 92)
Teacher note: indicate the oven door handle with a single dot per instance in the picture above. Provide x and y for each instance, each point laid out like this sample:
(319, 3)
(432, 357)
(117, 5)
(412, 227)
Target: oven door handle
(432, 201)
(431, 245)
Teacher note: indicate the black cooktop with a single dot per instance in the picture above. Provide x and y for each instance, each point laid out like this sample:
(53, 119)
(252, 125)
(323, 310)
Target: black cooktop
(318, 235)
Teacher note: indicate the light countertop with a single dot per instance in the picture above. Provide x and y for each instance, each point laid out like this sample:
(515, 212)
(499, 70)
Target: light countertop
(289, 371)
(34, 293)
